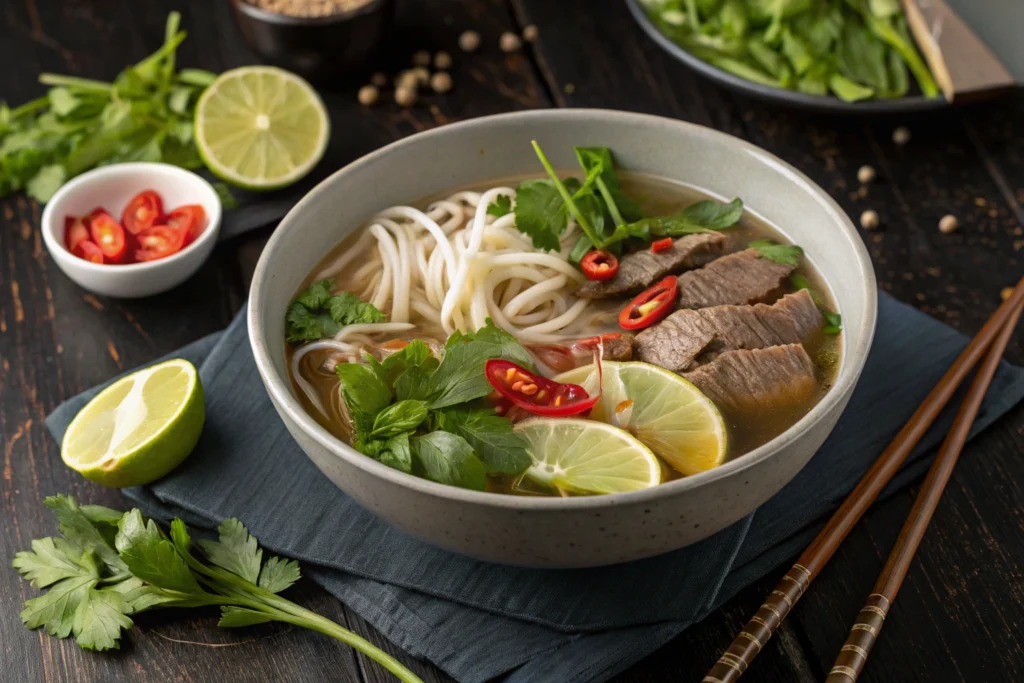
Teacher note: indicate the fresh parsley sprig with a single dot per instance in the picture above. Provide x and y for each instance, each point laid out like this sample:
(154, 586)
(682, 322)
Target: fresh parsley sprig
(316, 313)
(107, 566)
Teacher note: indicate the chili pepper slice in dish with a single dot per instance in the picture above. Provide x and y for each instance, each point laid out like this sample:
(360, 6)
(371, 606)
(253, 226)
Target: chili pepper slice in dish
(651, 305)
(107, 234)
(158, 242)
(88, 250)
(74, 232)
(535, 394)
(599, 265)
(661, 245)
(144, 211)
(189, 219)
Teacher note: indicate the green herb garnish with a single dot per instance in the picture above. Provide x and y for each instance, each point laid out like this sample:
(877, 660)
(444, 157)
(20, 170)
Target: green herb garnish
(788, 254)
(427, 417)
(502, 205)
(107, 566)
(144, 115)
(316, 313)
(833, 321)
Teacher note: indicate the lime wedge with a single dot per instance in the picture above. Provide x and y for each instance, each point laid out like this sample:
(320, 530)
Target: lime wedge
(260, 127)
(584, 456)
(139, 428)
(667, 413)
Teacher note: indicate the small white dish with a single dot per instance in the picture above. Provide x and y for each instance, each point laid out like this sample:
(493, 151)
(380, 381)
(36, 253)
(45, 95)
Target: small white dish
(112, 187)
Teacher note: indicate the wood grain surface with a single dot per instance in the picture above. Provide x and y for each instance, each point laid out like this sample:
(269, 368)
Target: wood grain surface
(961, 609)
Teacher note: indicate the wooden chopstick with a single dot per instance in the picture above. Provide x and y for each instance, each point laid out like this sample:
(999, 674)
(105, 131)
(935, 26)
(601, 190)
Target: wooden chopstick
(854, 653)
(735, 660)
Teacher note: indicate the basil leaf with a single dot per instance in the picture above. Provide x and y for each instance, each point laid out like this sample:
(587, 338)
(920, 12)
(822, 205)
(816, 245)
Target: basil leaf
(448, 459)
(788, 254)
(365, 394)
(397, 418)
(490, 435)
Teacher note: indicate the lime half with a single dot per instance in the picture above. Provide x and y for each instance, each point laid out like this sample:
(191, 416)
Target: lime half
(139, 428)
(260, 127)
(666, 412)
(584, 456)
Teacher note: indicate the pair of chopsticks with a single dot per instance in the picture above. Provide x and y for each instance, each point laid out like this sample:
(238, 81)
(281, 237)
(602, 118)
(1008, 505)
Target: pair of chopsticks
(992, 338)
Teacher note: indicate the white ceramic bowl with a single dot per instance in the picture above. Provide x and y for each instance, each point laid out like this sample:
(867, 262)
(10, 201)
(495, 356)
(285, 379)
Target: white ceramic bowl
(112, 187)
(582, 531)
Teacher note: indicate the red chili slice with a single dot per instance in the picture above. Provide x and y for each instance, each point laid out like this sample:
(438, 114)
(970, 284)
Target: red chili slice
(74, 232)
(107, 234)
(661, 245)
(144, 211)
(651, 305)
(88, 250)
(599, 265)
(190, 219)
(158, 242)
(535, 394)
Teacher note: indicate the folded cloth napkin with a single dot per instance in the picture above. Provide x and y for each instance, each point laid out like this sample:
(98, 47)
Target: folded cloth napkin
(479, 621)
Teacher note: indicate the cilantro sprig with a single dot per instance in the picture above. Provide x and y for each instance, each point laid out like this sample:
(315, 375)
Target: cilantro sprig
(833, 321)
(316, 313)
(107, 566)
(144, 115)
(426, 416)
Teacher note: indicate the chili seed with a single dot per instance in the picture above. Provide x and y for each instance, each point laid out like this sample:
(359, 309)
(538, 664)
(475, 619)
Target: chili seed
(518, 385)
(421, 58)
(442, 60)
(558, 401)
(368, 95)
(869, 219)
(541, 394)
(469, 41)
(948, 224)
(901, 135)
(624, 405)
(530, 389)
(865, 174)
(530, 33)
(510, 374)
(509, 42)
(441, 82)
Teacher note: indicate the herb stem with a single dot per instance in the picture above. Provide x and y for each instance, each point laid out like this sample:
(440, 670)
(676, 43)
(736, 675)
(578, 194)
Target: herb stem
(613, 209)
(76, 82)
(30, 107)
(585, 226)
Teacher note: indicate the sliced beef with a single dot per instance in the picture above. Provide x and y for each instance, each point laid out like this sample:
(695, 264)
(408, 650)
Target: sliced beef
(757, 379)
(643, 268)
(689, 337)
(741, 278)
(560, 358)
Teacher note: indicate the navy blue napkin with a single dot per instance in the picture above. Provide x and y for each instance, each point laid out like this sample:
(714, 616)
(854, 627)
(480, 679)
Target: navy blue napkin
(479, 621)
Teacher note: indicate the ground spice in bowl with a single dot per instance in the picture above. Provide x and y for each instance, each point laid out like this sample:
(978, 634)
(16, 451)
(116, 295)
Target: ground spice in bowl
(309, 8)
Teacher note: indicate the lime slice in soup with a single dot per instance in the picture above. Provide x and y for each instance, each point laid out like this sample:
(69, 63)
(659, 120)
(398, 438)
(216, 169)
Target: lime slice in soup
(583, 456)
(139, 428)
(260, 127)
(664, 411)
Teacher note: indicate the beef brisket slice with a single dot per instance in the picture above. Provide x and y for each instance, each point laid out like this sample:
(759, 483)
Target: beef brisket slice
(677, 341)
(741, 278)
(643, 268)
(757, 379)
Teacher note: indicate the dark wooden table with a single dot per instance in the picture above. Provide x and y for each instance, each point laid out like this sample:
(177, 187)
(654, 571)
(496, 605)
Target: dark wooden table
(961, 611)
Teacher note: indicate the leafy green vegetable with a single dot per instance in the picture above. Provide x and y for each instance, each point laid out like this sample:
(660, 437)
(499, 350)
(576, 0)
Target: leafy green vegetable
(448, 459)
(501, 206)
(316, 313)
(399, 418)
(490, 435)
(365, 394)
(144, 115)
(856, 48)
(833, 321)
(92, 594)
(788, 254)
(541, 213)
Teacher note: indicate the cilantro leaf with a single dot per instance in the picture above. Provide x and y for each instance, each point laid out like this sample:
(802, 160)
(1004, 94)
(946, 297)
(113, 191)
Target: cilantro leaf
(541, 213)
(45, 183)
(316, 313)
(601, 157)
(788, 254)
(151, 557)
(500, 449)
(448, 459)
(236, 550)
(278, 574)
(53, 559)
(100, 617)
(55, 610)
(460, 377)
(234, 617)
(140, 596)
(98, 514)
(501, 206)
(79, 530)
(833, 323)
(397, 418)
(415, 355)
(179, 536)
(394, 452)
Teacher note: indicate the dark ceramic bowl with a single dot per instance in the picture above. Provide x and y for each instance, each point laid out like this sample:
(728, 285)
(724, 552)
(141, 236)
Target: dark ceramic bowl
(318, 48)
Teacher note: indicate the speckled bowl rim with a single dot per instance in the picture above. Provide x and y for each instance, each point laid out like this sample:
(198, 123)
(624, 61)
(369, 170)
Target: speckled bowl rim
(854, 356)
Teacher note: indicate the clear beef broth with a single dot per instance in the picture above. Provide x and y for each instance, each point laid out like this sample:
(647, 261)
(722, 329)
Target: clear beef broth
(656, 196)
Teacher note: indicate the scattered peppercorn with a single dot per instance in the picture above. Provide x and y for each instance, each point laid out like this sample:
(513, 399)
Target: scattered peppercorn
(901, 135)
(948, 224)
(865, 174)
(422, 75)
(407, 79)
(379, 79)
(368, 95)
(421, 58)
(469, 41)
(530, 33)
(1006, 293)
(869, 219)
(509, 42)
(442, 60)
(306, 8)
(405, 96)
(441, 82)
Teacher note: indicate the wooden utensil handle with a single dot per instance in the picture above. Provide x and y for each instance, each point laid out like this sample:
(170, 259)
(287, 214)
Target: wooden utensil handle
(854, 653)
(759, 629)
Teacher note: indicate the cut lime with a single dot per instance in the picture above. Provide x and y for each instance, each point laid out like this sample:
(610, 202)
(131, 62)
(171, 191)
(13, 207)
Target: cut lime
(139, 428)
(584, 456)
(260, 127)
(666, 412)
